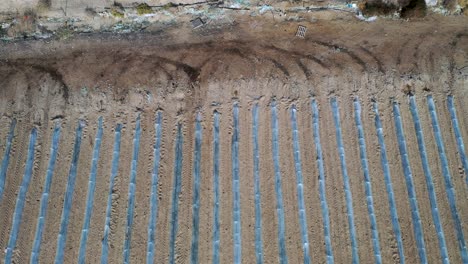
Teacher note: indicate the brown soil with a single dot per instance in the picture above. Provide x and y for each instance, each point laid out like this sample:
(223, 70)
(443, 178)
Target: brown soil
(181, 72)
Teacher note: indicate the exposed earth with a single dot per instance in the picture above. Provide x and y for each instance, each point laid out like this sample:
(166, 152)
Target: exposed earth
(169, 168)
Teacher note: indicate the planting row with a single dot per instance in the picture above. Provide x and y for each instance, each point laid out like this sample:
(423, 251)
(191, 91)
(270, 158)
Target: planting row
(300, 187)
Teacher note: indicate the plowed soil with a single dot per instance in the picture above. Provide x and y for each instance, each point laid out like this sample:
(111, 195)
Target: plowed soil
(180, 73)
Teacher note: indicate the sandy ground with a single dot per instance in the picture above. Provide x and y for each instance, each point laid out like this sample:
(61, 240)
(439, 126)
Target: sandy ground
(180, 73)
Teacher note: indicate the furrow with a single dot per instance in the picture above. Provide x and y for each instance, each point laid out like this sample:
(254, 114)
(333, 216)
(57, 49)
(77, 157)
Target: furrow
(458, 136)
(21, 198)
(196, 191)
(450, 191)
(258, 208)
(216, 219)
(12, 179)
(6, 157)
(45, 195)
(68, 200)
(154, 191)
(347, 189)
(131, 192)
(388, 184)
(236, 207)
(322, 194)
(367, 183)
(90, 195)
(176, 193)
(417, 226)
(278, 187)
(114, 171)
(300, 186)
(429, 182)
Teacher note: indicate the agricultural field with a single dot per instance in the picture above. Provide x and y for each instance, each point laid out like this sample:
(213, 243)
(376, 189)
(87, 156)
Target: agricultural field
(254, 151)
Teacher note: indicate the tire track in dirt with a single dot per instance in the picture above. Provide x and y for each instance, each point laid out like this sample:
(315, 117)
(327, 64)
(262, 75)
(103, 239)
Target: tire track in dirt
(322, 184)
(165, 187)
(246, 181)
(119, 196)
(236, 201)
(68, 199)
(439, 181)
(420, 185)
(352, 55)
(400, 51)
(49, 173)
(288, 178)
(207, 189)
(196, 191)
(460, 99)
(304, 68)
(267, 185)
(398, 180)
(346, 184)
(258, 201)
(154, 190)
(369, 197)
(157, 65)
(113, 173)
(12, 180)
(453, 70)
(450, 190)
(57, 189)
(415, 214)
(408, 56)
(216, 203)
(191, 72)
(374, 57)
(176, 193)
(418, 60)
(252, 56)
(282, 60)
(429, 182)
(80, 190)
(389, 187)
(143, 185)
(425, 61)
(299, 56)
(226, 186)
(334, 185)
(239, 52)
(184, 231)
(283, 257)
(300, 186)
(102, 192)
(458, 136)
(5, 124)
(326, 59)
(455, 166)
(90, 195)
(280, 66)
(21, 198)
(310, 173)
(6, 157)
(31, 207)
(131, 191)
(387, 239)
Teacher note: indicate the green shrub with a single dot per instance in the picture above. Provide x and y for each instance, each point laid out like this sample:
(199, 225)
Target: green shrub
(117, 13)
(64, 33)
(143, 9)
